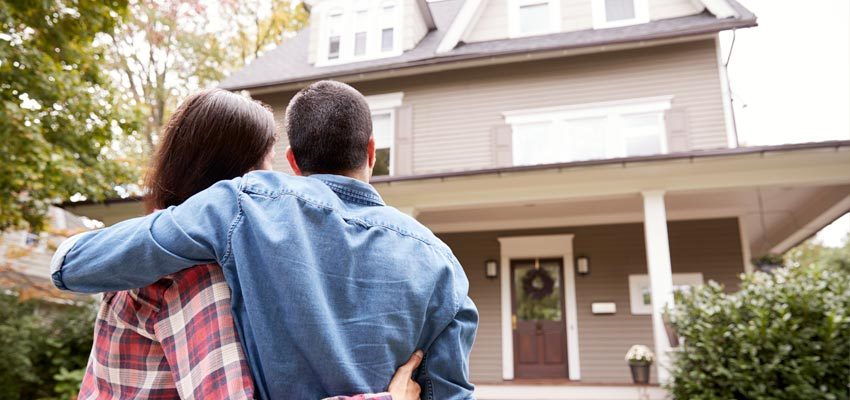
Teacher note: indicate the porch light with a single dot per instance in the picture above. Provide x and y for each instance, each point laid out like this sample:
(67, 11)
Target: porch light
(583, 265)
(491, 269)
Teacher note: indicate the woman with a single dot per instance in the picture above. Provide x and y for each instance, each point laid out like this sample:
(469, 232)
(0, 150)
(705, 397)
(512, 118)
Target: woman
(176, 338)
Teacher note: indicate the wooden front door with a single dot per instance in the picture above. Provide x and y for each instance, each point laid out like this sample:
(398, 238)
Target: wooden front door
(540, 334)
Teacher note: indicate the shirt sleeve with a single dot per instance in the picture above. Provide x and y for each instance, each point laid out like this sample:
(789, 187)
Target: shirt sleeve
(371, 396)
(444, 374)
(138, 252)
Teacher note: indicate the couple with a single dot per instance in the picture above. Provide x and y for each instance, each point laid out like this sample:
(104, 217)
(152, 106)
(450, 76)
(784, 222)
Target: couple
(330, 290)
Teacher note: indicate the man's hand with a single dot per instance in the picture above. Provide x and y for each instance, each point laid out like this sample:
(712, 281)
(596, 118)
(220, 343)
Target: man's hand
(403, 387)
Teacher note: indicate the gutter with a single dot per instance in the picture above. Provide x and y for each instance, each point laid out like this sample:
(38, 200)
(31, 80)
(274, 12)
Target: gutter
(694, 155)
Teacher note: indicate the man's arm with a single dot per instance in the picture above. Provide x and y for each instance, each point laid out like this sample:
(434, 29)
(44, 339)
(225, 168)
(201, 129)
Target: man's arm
(138, 252)
(445, 371)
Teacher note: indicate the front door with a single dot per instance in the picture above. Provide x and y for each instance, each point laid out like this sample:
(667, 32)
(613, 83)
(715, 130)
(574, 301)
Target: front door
(540, 335)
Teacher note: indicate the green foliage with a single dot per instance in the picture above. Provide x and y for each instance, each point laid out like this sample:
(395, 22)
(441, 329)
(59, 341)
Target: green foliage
(785, 335)
(58, 116)
(43, 348)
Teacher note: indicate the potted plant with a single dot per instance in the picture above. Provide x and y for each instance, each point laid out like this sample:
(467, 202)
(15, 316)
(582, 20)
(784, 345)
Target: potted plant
(640, 358)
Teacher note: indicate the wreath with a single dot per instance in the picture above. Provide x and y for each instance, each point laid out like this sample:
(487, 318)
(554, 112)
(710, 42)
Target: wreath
(538, 283)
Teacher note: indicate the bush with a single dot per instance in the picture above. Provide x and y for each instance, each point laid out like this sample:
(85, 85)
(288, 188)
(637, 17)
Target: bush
(785, 335)
(43, 348)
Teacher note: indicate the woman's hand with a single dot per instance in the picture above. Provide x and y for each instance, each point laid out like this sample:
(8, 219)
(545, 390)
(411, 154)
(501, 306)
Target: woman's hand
(403, 387)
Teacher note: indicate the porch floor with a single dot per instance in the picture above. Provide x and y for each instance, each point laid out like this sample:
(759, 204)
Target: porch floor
(558, 389)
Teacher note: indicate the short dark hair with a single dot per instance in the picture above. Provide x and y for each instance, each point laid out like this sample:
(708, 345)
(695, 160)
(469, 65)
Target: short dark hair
(214, 135)
(329, 125)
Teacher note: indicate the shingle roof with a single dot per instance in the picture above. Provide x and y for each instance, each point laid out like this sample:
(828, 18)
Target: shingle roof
(288, 62)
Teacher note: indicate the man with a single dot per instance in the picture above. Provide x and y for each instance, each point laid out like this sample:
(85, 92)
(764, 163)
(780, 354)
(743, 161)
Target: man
(332, 290)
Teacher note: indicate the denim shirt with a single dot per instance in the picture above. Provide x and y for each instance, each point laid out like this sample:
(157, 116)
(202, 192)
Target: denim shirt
(332, 290)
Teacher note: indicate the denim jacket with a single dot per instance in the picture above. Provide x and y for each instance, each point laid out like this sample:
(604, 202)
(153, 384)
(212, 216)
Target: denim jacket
(332, 289)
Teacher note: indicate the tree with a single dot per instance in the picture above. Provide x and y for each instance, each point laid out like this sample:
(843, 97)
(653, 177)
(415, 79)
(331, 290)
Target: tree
(165, 49)
(58, 113)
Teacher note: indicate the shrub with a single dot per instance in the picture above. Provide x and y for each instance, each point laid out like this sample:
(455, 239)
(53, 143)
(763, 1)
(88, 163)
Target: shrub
(785, 335)
(43, 348)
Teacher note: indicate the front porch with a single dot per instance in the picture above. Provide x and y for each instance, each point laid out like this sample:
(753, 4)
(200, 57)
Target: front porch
(659, 221)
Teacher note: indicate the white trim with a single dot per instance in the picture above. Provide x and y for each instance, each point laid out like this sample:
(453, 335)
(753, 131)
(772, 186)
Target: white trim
(583, 220)
(464, 17)
(720, 8)
(725, 91)
(516, 247)
(746, 251)
(639, 281)
(383, 102)
(600, 17)
(514, 22)
(588, 110)
(568, 392)
(348, 10)
(660, 274)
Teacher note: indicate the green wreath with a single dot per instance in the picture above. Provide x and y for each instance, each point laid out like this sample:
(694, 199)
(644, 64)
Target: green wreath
(538, 283)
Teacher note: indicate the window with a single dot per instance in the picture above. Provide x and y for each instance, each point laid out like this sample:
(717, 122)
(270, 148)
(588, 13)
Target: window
(383, 131)
(613, 13)
(534, 17)
(388, 31)
(589, 132)
(640, 293)
(334, 37)
(383, 109)
(359, 30)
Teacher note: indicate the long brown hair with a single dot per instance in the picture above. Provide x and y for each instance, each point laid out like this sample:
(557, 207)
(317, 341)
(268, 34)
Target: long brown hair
(214, 135)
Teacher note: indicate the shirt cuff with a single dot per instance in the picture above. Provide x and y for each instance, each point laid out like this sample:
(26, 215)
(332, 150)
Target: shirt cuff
(59, 259)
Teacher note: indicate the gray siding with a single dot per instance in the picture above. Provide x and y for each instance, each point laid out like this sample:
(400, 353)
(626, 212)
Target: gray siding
(455, 113)
(708, 246)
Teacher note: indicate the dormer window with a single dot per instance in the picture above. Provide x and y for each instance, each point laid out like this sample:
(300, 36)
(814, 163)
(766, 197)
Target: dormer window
(614, 13)
(534, 17)
(359, 30)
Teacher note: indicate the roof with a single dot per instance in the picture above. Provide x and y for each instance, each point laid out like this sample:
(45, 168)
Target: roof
(288, 63)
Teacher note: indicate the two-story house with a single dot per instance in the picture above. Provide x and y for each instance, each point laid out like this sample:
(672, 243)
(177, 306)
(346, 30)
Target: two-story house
(580, 158)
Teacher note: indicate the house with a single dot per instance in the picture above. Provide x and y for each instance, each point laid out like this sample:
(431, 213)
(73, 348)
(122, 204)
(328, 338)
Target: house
(579, 156)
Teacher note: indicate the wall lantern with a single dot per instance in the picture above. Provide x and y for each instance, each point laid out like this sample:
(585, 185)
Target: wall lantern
(582, 265)
(491, 269)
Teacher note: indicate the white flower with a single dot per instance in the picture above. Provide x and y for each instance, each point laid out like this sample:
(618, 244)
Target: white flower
(640, 352)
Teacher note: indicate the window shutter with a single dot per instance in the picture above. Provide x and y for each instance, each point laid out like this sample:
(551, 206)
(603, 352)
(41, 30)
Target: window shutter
(502, 150)
(676, 121)
(404, 141)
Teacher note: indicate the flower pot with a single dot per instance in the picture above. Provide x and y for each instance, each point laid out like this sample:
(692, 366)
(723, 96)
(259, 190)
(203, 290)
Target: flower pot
(640, 372)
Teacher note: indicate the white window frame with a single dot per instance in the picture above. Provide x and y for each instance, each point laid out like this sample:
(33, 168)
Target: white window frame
(600, 19)
(387, 104)
(639, 281)
(613, 111)
(514, 19)
(376, 24)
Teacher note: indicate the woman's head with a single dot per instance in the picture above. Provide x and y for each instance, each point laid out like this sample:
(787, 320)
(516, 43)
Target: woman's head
(214, 135)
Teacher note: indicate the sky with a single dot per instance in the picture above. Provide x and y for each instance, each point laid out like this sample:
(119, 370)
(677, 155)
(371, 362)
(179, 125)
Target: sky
(790, 78)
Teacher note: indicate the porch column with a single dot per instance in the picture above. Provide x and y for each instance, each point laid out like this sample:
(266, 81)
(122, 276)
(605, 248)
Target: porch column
(660, 274)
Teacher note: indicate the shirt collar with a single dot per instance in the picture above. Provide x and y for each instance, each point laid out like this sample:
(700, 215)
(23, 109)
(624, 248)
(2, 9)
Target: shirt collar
(351, 188)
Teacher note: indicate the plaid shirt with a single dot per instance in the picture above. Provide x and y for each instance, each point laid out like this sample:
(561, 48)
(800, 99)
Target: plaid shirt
(170, 340)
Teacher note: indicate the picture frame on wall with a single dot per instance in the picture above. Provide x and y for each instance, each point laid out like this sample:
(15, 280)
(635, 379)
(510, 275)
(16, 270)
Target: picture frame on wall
(640, 295)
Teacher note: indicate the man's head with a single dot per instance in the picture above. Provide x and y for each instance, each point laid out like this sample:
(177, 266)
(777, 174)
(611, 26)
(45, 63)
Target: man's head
(329, 126)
